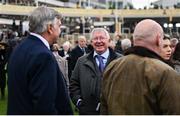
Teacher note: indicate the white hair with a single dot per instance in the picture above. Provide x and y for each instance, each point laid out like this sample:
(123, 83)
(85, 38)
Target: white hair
(81, 37)
(67, 43)
(125, 43)
(99, 29)
(174, 41)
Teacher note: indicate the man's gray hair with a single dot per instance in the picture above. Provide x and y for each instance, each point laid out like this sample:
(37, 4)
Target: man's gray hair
(174, 41)
(41, 17)
(81, 37)
(99, 29)
(125, 44)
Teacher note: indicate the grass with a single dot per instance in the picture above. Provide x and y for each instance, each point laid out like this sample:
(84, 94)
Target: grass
(3, 105)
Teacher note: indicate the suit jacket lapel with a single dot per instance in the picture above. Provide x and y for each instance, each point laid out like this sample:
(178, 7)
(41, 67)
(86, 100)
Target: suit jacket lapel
(91, 63)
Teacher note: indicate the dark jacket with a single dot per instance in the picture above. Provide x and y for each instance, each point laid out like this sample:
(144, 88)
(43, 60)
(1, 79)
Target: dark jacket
(35, 83)
(61, 53)
(139, 83)
(75, 54)
(85, 83)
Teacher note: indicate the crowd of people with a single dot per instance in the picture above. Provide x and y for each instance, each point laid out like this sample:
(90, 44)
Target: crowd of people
(140, 75)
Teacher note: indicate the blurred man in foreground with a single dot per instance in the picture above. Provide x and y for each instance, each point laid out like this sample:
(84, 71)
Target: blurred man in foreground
(140, 83)
(35, 83)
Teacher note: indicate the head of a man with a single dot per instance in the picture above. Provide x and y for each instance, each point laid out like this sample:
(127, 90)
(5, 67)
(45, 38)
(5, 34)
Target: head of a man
(66, 46)
(166, 51)
(82, 41)
(174, 42)
(100, 40)
(125, 43)
(46, 22)
(149, 34)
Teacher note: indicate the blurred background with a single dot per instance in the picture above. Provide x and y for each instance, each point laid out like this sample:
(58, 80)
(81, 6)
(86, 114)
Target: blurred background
(119, 17)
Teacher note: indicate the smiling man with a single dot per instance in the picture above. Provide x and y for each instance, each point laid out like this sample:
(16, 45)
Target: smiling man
(87, 76)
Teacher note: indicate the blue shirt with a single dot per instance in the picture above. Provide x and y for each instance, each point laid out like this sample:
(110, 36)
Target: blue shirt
(105, 56)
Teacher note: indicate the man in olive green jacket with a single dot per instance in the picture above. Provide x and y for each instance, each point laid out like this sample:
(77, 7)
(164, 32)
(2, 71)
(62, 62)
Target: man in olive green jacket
(140, 83)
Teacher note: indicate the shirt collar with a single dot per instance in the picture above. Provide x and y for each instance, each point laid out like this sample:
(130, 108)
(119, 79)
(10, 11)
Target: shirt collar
(42, 39)
(104, 55)
(80, 47)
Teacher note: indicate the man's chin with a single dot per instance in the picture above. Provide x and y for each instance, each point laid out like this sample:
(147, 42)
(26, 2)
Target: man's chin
(55, 41)
(100, 51)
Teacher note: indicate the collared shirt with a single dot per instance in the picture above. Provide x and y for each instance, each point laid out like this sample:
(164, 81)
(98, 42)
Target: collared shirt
(65, 53)
(42, 39)
(105, 56)
(83, 49)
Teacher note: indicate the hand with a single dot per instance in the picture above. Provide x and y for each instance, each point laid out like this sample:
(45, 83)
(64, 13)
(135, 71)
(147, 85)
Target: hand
(79, 104)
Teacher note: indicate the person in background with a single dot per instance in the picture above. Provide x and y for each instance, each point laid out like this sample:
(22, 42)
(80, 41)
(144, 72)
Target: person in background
(174, 42)
(89, 45)
(166, 51)
(3, 62)
(65, 53)
(35, 83)
(139, 82)
(66, 50)
(85, 83)
(62, 63)
(125, 44)
(176, 58)
(118, 48)
(77, 52)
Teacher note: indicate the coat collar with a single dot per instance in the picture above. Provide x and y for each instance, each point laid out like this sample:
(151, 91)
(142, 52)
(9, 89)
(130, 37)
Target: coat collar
(45, 42)
(144, 52)
(112, 56)
(92, 63)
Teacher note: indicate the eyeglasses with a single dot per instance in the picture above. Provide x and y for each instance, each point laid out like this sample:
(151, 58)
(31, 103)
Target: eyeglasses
(99, 38)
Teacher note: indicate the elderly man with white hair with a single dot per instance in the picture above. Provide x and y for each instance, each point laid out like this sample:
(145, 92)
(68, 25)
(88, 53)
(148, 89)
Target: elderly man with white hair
(125, 44)
(140, 83)
(80, 50)
(66, 50)
(85, 83)
(174, 42)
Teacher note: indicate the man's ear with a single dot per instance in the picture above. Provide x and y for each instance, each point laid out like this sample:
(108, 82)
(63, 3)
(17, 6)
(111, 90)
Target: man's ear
(158, 40)
(49, 28)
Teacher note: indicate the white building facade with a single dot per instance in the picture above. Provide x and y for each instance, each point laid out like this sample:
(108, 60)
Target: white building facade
(167, 3)
(105, 4)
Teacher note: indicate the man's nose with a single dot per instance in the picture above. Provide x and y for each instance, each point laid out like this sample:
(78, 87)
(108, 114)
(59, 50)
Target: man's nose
(169, 49)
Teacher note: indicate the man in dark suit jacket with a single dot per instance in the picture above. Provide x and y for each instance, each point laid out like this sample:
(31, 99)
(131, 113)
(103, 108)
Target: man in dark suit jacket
(35, 83)
(85, 84)
(77, 52)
